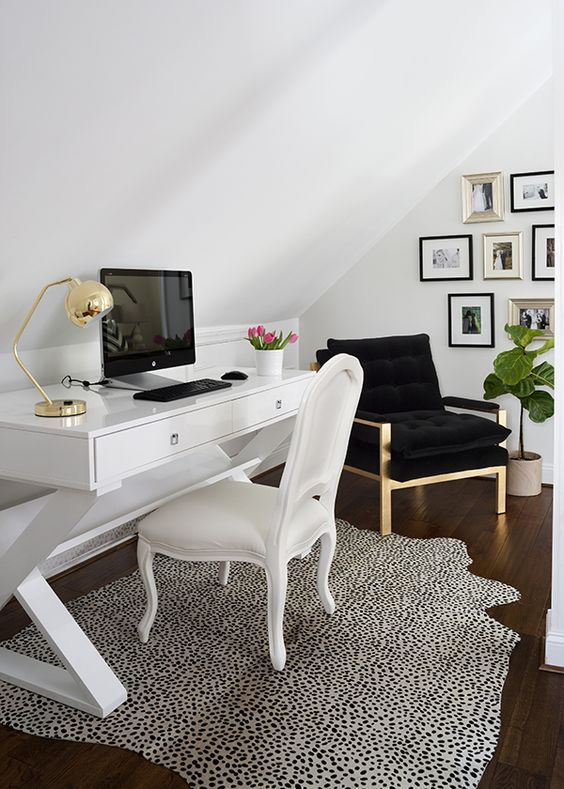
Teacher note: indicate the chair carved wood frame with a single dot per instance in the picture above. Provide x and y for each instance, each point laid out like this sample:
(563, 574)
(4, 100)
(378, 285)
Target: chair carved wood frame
(375, 455)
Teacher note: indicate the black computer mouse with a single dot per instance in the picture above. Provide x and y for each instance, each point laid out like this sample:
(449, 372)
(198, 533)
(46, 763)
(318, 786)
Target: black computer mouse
(234, 375)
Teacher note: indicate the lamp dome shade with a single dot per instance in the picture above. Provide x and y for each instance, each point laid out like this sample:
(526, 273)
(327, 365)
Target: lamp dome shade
(87, 301)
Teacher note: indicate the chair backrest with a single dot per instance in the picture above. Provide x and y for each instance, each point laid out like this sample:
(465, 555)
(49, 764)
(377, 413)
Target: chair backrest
(399, 373)
(319, 442)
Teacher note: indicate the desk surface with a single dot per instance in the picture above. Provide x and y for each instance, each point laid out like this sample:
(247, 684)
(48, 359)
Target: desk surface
(109, 409)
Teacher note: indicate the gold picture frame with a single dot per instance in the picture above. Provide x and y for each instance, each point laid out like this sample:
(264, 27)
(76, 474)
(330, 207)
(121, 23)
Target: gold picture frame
(503, 255)
(534, 314)
(482, 198)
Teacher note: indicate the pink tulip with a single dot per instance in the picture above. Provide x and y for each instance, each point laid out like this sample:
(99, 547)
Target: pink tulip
(261, 331)
(293, 338)
(268, 338)
(250, 332)
(254, 331)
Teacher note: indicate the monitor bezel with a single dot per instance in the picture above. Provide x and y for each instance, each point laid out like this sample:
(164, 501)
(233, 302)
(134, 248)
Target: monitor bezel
(148, 361)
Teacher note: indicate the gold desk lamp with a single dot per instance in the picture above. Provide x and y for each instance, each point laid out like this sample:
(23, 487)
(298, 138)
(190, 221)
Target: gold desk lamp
(85, 302)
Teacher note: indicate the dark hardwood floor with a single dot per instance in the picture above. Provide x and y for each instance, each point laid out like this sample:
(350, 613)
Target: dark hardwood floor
(514, 548)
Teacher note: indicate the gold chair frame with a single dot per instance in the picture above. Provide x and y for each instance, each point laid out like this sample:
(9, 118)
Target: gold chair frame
(388, 484)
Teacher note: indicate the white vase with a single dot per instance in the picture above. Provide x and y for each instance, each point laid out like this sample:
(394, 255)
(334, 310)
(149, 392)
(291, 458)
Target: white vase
(269, 362)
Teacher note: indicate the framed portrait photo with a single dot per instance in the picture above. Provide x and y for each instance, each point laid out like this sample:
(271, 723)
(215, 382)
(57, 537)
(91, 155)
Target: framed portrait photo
(533, 314)
(543, 252)
(471, 320)
(532, 191)
(445, 258)
(503, 255)
(482, 197)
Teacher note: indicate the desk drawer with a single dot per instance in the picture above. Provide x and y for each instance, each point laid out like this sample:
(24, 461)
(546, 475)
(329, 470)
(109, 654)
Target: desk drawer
(253, 410)
(119, 453)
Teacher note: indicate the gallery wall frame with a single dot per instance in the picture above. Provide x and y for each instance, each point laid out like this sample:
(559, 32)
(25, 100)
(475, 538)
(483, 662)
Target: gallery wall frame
(532, 191)
(534, 314)
(445, 258)
(503, 255)
(471, 320)
(543, 253)
(482, 198)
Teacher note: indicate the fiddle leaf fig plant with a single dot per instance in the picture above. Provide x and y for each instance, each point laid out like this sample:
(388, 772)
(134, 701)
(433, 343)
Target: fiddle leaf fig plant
(516, 373)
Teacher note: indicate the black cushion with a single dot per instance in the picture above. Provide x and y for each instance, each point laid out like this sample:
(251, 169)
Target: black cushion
(399, 374)
(417, 434)
(364, 456)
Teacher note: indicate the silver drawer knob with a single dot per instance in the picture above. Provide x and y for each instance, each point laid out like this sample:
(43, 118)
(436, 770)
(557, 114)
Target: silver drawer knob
(174, 439)
(278, 405)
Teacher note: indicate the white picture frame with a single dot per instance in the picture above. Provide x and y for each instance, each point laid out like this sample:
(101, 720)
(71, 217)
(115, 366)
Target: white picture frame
(482, 198)
(534, 314)
(503, 255)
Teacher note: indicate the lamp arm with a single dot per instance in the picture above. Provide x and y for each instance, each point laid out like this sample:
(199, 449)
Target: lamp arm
(22, 329)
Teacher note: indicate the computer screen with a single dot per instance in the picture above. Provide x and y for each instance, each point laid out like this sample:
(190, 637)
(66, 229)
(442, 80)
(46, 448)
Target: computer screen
(151, 326)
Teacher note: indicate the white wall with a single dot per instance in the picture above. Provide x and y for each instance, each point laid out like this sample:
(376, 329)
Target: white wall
(262, 144)
(554, 644)
(382, 293)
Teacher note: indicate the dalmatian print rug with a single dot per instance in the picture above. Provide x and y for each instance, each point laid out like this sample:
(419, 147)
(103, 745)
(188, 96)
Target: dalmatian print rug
(399, 689)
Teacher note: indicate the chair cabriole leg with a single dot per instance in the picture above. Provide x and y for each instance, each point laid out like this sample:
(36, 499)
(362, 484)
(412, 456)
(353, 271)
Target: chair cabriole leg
(223, 573)
(277, 580)
(145, 557)
(326, 552)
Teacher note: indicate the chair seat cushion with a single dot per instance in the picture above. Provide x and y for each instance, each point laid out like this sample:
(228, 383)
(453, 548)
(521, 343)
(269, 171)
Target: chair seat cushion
(419, 434)
(365, 457)
(227, 516)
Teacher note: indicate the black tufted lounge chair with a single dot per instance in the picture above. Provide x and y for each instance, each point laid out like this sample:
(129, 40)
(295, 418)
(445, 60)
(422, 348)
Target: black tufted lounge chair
(403, 436)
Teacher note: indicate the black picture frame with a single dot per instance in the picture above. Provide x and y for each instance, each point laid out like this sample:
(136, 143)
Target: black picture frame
(514, 180)
(424, 277)
(488, 300)
(534, 255)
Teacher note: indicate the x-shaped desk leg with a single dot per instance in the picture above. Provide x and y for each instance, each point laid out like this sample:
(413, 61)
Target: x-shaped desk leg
(86, 681)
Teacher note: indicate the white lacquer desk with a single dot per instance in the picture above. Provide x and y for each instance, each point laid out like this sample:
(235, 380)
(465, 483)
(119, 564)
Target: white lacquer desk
(121, 459)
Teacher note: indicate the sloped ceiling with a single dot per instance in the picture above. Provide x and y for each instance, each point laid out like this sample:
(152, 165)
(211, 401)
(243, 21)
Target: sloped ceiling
(265, 145)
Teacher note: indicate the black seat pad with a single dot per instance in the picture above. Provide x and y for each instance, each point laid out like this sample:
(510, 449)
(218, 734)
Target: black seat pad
(417, 434)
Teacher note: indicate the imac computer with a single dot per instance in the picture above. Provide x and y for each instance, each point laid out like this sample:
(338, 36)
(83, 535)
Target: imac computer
(150, 328)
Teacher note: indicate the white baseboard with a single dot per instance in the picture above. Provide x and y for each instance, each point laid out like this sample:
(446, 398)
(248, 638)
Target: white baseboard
(548, 473)
(554, 645)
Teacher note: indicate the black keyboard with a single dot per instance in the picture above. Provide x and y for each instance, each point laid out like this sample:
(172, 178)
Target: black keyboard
(177, 391)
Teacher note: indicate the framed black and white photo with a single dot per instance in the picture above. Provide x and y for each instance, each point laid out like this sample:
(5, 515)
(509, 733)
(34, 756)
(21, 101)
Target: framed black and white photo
(482, 198)
(543, 252)
(503, 255)
(532, 191)
(471, 320)
(533, 314)
(445, 258)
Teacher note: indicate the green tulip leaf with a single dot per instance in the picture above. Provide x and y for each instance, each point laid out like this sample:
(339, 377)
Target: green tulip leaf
(512, 366)
(494, 387)
(540, 406)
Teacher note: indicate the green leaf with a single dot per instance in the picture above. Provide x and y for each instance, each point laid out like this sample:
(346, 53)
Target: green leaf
(512, 366)
(544, 375)
(540, 406)
(521, 335)
(546, 346)
(524, 388)
(494, 387)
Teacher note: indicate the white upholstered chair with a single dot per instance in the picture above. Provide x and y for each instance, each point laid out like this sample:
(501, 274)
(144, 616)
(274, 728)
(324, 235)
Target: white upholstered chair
(238, 521)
